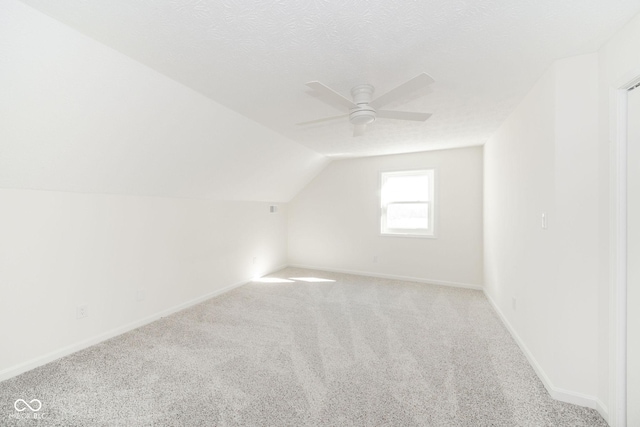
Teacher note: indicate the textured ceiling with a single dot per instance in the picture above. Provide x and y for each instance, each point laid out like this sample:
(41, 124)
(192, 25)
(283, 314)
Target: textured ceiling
(255, 56)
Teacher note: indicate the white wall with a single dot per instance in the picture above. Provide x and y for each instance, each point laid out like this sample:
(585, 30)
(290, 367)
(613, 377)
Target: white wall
(544, 158)
(61, 250)
(334, 222)
(78, 116)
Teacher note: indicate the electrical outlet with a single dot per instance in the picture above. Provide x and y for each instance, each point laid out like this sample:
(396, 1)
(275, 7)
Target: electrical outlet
(375, 259)
(544, 221)
(255, 259)
(82, 311)
(140, 295)
(513, 303)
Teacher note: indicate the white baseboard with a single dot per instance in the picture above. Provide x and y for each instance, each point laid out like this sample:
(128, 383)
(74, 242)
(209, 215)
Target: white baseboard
(392, 276)
(602, 410)
(557, 393)
(70, 349)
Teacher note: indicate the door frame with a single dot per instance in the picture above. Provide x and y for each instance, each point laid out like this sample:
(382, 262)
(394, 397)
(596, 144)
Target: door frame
(618, 258)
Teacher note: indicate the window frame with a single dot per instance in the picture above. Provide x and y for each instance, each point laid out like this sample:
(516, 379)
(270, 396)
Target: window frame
(432, 203)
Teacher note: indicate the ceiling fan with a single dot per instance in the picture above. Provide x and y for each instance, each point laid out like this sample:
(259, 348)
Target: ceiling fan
(363, 110)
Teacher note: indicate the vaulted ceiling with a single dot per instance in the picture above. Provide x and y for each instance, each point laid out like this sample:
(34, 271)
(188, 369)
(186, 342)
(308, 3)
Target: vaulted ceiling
(78, 116)
(255, 56)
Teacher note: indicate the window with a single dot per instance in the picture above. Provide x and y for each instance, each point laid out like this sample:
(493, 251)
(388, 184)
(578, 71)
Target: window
(407, 203)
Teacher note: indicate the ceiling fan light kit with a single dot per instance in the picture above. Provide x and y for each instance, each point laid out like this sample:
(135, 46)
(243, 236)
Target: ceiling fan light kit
(363, 110)
(362, 113)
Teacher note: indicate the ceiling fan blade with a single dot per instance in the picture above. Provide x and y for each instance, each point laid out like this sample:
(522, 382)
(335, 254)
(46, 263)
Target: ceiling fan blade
(358, 130)
(403, 115)
(326, 119)
(415, 83)
(331, 94)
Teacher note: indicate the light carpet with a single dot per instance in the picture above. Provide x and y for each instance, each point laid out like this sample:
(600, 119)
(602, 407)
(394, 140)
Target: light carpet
(299, 351)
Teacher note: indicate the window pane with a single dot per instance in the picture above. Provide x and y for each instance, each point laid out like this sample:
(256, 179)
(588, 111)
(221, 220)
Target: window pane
(409, 188)
(408, 215)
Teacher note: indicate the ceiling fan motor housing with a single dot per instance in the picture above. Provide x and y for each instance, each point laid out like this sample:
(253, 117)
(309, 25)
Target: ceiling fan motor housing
(363, 114)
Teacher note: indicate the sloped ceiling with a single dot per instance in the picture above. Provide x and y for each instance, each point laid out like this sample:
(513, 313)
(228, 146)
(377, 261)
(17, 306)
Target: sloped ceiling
(255, 56)
(76, 115)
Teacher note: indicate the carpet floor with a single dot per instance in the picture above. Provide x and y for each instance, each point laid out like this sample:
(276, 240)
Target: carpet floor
(303, 348)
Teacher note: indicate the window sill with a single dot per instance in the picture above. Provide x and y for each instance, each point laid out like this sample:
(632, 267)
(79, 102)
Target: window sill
(413, 236)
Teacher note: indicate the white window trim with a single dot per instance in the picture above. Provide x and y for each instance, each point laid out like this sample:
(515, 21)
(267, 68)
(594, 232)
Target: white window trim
(434, 205)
